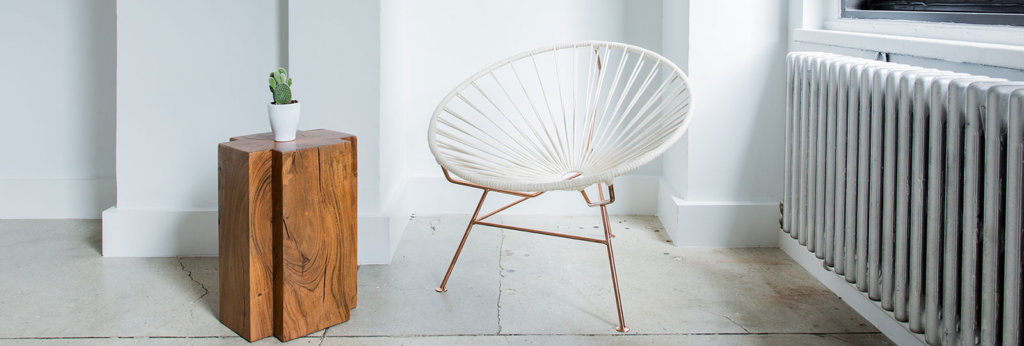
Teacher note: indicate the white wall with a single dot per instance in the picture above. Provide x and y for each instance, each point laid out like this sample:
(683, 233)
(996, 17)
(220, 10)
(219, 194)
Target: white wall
(394, 71)
(435, 45)
(57, 137)
(372, 68)
(377, 69)
(334, 54)
(643, 26)
(738, 71)
(676, 47)
(732, 155)
(333, 51)
(427, 48)
(182, 89)
(201, 84)
(190, 74)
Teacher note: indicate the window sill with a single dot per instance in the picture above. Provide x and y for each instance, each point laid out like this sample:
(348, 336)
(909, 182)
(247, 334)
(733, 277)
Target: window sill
(988, 54)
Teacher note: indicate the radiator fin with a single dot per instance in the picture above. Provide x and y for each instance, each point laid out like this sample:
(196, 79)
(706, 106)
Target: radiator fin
(909, 183)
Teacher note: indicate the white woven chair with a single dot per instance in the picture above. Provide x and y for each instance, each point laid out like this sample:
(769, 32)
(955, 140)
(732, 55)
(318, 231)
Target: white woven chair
(563, 117)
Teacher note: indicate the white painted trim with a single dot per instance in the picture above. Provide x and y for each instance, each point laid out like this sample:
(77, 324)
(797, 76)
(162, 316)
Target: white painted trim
(668, 209)
(988, 54)
(859, 301)
(718, 224)
(159, 233)
(828, 15)
(634, 195)
(817, 14)
(377, 241)
(169, 233)
(399, 213)
(998, 34)
(55, 198)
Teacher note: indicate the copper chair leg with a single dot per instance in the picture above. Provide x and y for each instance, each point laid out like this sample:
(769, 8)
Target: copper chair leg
(603, 203)
(472, 221)
(611, 261)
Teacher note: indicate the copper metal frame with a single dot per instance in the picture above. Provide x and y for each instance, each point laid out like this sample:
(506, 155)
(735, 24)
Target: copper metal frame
(479, 220)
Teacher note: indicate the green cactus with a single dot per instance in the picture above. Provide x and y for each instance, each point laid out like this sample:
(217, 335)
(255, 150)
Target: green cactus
(280, 86)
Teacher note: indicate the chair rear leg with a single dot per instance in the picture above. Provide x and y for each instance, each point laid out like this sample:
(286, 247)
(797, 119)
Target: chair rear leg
(611, 261)
(472, 221)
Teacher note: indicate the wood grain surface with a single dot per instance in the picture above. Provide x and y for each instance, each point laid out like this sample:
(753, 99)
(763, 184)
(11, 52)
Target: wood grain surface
(245, 240)
(288, 233)
(313, 238)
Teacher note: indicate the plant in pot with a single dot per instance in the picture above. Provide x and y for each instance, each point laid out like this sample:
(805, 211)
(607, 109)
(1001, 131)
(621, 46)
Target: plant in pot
(284, 112)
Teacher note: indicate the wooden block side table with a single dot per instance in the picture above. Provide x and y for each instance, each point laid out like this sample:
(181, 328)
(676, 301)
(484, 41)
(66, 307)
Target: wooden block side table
(288, 233)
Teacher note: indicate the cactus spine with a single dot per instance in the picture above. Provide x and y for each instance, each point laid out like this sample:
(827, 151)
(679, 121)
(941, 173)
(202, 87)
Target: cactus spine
(280, 86)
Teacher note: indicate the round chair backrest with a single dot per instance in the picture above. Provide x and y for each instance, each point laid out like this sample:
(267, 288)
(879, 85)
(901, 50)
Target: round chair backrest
(561, 117)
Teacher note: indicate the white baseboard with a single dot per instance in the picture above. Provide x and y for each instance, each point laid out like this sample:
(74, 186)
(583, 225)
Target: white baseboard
(668, 210)
(169, 233)
(717, 224)
(859, 301)
(634, 195)
(55, 198)
(375, 239)
(159, 233)
(399, 212)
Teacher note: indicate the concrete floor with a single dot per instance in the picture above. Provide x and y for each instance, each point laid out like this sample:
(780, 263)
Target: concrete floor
(508, 288)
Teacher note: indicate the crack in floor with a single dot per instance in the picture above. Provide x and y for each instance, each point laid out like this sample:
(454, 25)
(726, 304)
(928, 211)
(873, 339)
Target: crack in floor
(323, 336)
(433, 225)
(501, 275)
(181, 262)
(734, 322)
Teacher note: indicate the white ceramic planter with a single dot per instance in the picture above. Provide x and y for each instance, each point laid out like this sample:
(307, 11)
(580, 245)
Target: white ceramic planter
(284, 121)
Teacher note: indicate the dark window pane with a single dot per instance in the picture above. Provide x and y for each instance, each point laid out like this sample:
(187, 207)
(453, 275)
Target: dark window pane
(994, 12)
(973, 6)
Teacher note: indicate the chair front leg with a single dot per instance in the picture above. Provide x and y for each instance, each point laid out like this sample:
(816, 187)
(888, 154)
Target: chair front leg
(472, 221)
(611, 262)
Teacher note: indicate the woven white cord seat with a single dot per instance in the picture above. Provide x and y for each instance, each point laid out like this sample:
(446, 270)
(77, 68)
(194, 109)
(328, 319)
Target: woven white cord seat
(563, 117)
(592, 109)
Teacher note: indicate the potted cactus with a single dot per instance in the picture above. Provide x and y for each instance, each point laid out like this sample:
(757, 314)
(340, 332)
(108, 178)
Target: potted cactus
(284, 112)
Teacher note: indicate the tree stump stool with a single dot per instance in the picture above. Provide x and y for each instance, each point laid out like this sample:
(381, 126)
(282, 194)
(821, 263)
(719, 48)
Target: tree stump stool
(287, 233)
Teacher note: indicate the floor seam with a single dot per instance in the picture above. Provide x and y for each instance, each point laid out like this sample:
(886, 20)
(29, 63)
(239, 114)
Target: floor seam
(181, 262)
(324, 336)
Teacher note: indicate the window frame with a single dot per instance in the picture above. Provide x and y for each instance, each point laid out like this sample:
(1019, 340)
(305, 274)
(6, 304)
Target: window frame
(849, 9)
(817, 23)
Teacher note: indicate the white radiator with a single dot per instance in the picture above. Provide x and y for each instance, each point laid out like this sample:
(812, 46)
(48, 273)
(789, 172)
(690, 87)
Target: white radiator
(907, 181)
